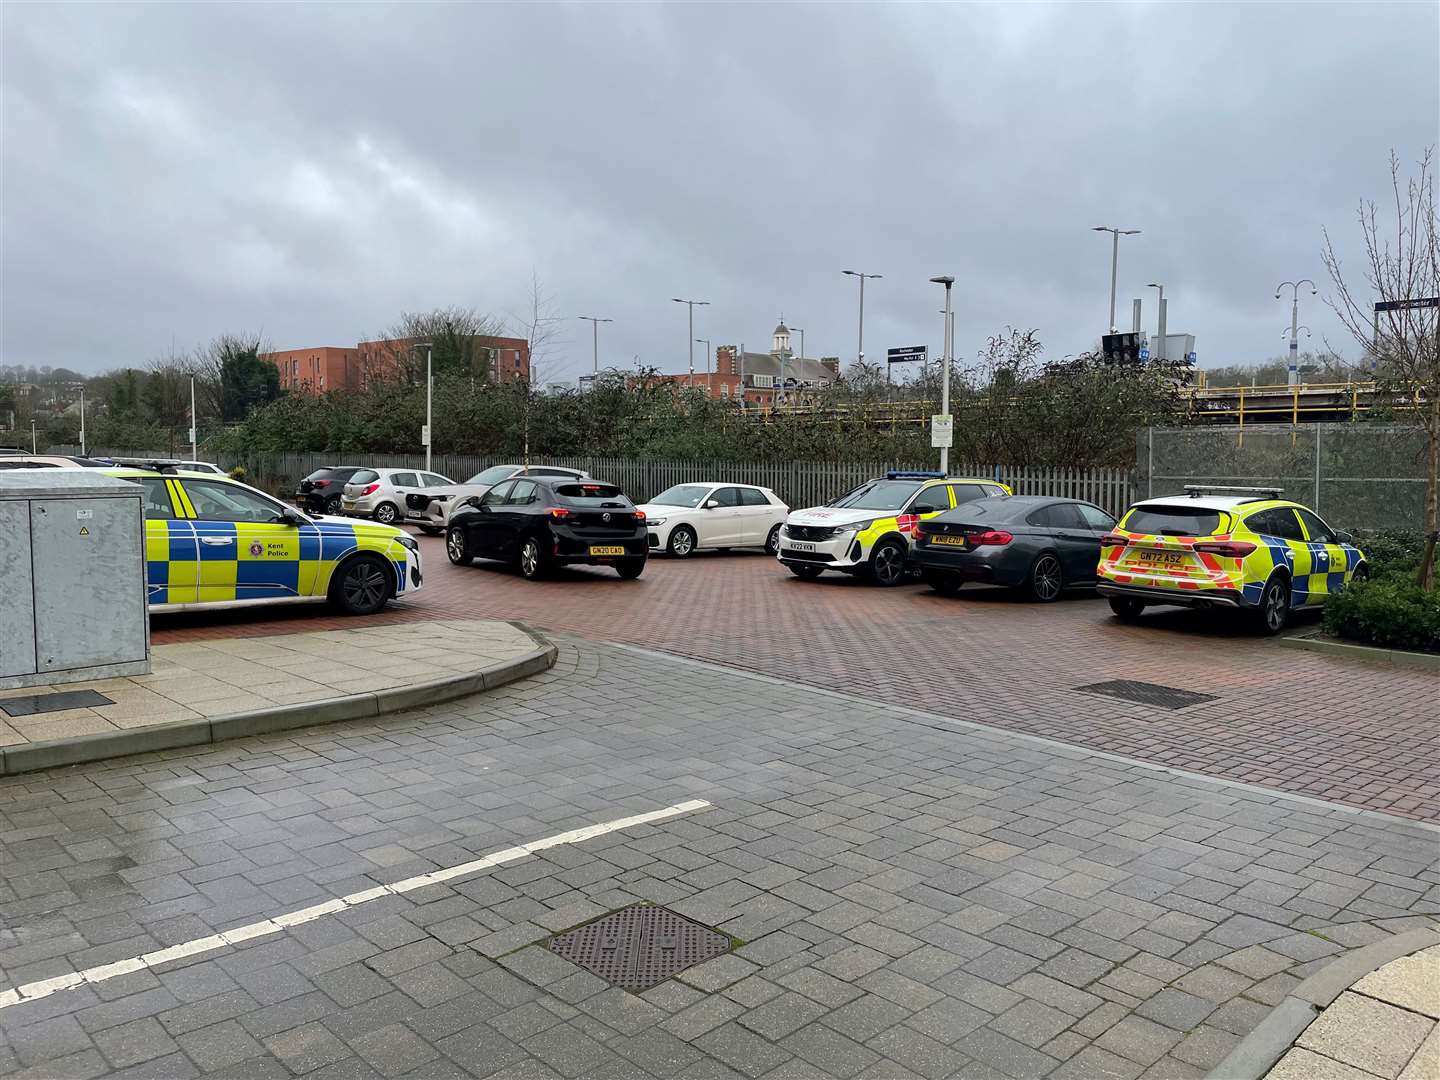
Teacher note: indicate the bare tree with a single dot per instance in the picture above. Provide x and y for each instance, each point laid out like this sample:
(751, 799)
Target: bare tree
(455, 334)
(540, 323)
(1402, 269)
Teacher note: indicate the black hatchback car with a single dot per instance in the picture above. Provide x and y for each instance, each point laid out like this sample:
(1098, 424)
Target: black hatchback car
(540, 522)
(1039, 544)
(319, 493)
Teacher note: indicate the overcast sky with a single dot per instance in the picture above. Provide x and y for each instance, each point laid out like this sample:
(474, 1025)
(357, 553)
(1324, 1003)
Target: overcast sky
(175, 171)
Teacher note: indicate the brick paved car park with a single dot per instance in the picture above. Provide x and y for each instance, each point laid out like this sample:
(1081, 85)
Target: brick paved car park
(1342, 731)
(917, 896)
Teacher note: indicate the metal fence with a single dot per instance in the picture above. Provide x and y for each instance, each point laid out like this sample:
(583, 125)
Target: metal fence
(1356, 476)
(798, 483)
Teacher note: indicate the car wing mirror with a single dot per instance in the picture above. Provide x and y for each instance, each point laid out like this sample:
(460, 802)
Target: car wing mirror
(711, 504)
(1345, 537)
(291, 517)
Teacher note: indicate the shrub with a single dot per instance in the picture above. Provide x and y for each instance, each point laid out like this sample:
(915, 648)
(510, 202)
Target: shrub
(1391, 554)
(1392, 612)
(237, 473)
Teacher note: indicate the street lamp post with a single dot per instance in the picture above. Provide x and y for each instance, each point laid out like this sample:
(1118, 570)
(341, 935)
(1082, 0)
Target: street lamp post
(1293, 376)
(82, 421)
(786, 390)
(1114, 262)
(706, 343)
(947, 281)
(860, 343)
(1159, 320)
(32, 438)
(194, 444)
(691, 304)
(429, 396)
(595, 322)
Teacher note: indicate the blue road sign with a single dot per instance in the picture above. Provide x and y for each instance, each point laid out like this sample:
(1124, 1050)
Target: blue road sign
(1144, 354)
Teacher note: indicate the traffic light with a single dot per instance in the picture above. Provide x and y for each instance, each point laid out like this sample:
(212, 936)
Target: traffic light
(1121, 348)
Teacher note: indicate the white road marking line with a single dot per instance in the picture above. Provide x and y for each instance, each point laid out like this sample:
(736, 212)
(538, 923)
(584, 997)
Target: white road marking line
(36, 990)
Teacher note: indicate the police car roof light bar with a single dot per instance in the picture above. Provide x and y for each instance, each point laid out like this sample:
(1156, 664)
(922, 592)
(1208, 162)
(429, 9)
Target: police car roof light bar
(159, 465)
(921, 474)
(1196, 490)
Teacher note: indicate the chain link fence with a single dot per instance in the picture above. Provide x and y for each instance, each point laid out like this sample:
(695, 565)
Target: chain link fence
(1356, 476)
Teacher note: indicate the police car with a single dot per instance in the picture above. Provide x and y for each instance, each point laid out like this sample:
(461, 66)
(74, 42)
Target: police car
(213, 542)
(870, 530)
(1241, 548)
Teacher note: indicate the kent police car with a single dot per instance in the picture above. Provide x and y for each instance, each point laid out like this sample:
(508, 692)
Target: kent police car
(869, 530)
(213, 542)
(1243, 548)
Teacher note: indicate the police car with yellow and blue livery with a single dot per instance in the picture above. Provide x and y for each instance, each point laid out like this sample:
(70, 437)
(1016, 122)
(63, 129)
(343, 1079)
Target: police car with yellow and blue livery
(870, 530)
(1242, 548)
(213, 542)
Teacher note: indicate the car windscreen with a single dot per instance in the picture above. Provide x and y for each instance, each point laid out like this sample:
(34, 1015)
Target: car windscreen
(365, 476)
(878, 495)
(1173, 521)
(331, 474)
(590, 495)
(492, 475)
(687, 495)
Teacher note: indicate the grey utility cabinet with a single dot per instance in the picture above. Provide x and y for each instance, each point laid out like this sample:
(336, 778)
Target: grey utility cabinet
(72, 577)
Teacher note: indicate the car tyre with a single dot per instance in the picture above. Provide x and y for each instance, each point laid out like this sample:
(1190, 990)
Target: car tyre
(362, 585)
(1046, 580)
(772, 542)
(943, 583)
(533, 563)
(682, 542)
(1360, 573)
(457, 546)
(804, 572)
(1274, 610)
(887, 564)
(332, 506)
(386, 513)
(630, 569)
(1126, 609)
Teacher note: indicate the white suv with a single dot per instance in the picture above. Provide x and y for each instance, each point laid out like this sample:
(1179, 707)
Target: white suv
(380, 493)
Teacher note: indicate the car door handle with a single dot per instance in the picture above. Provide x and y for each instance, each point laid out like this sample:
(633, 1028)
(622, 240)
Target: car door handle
(217, 541)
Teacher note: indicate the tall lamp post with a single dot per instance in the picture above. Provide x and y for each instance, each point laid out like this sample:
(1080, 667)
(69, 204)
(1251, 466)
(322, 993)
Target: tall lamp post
(786, 390)
(1114, 262)
(860, 344)
(691, 305)
(706, 342)
(194, 444)
(82, 421)
(947, 281)
(595, 322)
(429, 387)
(32, 438)
(1293, 376)
(1159, 320)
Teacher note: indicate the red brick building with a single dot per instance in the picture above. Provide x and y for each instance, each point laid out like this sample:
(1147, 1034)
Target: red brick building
(318, 370)
(768, 378)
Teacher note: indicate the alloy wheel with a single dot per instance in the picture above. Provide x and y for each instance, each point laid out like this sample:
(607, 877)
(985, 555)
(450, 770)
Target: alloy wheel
(1046, 578)
(682, 543)
(772, 542)
(530, 559)
(889, 564)
(364, 586)
(455, 546)
(385, 514)
(1277, 607)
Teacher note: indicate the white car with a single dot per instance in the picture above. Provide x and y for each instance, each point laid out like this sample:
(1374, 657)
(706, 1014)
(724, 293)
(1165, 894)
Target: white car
(688, 517)
(380, 493)
(431, 508)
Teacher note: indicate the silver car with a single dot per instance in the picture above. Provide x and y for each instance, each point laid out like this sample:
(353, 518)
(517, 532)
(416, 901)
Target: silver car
(381, 493)
(431, 508)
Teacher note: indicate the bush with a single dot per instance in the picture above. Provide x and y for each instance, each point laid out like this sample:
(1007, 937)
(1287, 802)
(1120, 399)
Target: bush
(237, 473)
(1391, 612)
(1391, 554)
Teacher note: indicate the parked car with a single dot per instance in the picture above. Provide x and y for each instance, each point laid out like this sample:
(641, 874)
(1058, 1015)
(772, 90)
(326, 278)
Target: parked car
(213, 542)
(867, 530)
(172, 463)
(1040, 544)
(50, 461)
(431, 508)
(380, 493)
(540, 522)
(687, 517)
(322, 492)
(1249, 550)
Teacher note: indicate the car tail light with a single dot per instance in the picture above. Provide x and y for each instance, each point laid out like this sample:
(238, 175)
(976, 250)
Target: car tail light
(1228, 549)
(558, 513)
(990, 538)
(640, 516)
(1113, 540)
(320, 483)
(370, 489)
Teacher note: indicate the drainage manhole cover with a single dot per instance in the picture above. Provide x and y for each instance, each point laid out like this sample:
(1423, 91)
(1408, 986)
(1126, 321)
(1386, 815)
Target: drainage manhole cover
(1146, 693)
(36, 704)
(639, 946)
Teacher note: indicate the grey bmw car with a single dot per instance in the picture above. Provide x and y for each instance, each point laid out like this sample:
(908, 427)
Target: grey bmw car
(1034, 543)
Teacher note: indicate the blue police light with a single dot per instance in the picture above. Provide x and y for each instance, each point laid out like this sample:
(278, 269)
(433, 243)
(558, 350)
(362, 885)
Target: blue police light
(920, 475)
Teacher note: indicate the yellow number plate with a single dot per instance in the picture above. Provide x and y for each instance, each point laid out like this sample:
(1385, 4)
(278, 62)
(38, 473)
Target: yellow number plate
(1159, 558)
(948, 541)
(607, 550)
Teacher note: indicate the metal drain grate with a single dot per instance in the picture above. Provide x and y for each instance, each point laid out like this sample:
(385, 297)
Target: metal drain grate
(639, 946)
(35, 704)
(1146, 693)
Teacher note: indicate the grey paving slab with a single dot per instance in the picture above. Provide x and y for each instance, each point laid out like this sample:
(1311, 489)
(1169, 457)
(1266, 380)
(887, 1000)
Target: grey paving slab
(916, 899)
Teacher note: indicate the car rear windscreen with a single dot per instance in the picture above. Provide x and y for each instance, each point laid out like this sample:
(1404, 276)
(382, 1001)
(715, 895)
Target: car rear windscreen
(591, 495)
(365, 476)
(1173, 521)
